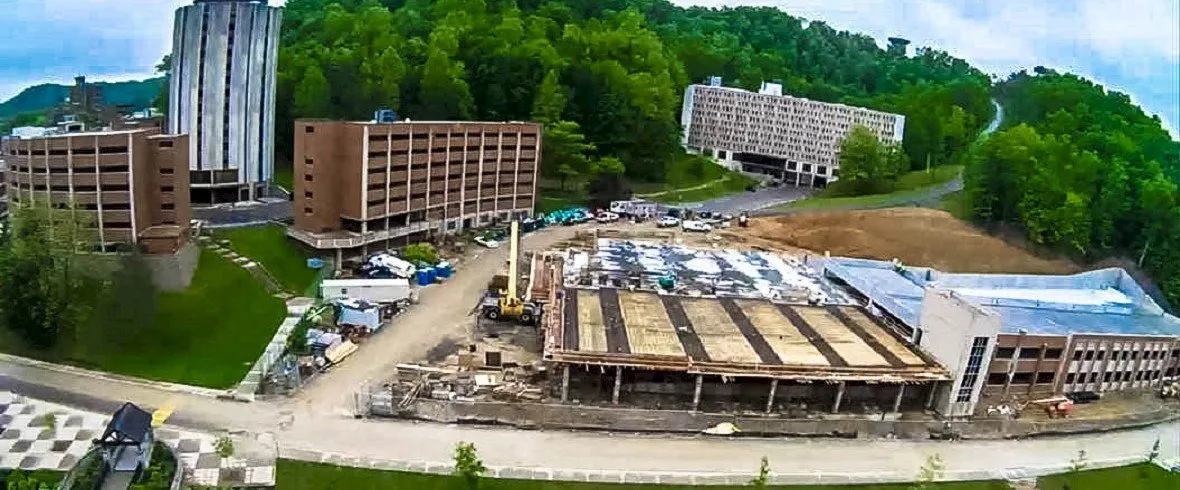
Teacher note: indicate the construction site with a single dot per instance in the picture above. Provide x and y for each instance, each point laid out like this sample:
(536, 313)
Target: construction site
(637, 328)
(658, 321)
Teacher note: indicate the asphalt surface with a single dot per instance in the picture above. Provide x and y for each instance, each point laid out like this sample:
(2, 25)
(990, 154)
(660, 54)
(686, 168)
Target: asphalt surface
(751, 201)
(242, 214)
(313, 430)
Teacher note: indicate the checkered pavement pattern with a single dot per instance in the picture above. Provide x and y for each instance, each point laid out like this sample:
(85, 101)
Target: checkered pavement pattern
(28, 442)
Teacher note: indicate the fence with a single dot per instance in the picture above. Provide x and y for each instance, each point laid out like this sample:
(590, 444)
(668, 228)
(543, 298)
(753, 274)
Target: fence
(558, 416)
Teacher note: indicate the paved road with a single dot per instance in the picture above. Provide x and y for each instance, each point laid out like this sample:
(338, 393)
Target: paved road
(750, 201)
(304, 432)
(244, 214)
(929, 197)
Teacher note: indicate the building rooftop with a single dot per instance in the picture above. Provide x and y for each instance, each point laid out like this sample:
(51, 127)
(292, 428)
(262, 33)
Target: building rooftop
(779, 94)
(1106, 301)
(724, 272)
(733, 337)
(88, 133)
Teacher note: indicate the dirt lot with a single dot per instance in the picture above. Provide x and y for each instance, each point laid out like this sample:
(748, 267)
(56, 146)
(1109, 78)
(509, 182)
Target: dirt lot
(916, 236)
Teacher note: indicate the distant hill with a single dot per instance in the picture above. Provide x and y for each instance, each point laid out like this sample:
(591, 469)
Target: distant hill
(138, 94)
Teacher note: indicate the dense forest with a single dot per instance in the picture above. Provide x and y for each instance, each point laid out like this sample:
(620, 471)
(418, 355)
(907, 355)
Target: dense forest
(612, 72)
(1079, 169)
(1083, 170)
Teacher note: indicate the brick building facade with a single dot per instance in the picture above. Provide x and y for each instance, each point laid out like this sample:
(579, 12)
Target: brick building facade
(359, 184)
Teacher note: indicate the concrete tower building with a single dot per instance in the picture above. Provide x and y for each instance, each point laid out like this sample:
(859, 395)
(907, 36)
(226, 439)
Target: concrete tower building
(222, 95)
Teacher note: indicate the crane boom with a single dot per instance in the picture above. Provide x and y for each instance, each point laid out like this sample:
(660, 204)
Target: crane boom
(513, 254)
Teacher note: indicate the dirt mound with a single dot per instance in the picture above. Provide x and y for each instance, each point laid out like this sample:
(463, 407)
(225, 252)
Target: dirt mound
(916, 236)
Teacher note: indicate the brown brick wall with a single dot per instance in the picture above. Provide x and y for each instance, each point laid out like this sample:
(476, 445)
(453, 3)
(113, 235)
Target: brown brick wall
(362, 176)
(113, 179)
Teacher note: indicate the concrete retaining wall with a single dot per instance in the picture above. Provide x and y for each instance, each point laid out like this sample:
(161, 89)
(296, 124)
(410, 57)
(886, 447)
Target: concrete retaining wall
(556, 416)
(169, 272)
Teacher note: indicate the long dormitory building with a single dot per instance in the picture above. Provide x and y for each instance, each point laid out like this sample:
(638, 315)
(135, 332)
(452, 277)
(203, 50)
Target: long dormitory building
(362, 185)
(130, 188)
(794, 140)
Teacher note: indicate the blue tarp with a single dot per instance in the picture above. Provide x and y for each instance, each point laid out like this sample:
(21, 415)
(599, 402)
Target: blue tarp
(358, 313)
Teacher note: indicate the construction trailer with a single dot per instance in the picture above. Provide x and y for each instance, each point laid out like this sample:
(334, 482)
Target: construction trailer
(380, 291)
(731, 354)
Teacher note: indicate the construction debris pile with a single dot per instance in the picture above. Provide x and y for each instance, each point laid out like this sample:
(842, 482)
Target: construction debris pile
(486, 383)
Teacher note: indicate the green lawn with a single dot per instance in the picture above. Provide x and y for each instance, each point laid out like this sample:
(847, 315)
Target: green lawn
(284, 176)
(909, 185)
(208, 335)
(298, 475)
(557, 200)
(730, 184)
(956, 204)
(1135, 477)
(269, 246)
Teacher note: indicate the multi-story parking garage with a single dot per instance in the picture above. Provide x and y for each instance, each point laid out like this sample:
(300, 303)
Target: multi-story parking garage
(794, 140)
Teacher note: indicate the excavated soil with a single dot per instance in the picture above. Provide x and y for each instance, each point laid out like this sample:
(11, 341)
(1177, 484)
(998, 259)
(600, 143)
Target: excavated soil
(916, 236)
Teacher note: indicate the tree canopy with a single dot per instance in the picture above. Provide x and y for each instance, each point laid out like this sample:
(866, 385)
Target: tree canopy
(1082, 169)
(1079, 168)
(867, 163)
(607, 76)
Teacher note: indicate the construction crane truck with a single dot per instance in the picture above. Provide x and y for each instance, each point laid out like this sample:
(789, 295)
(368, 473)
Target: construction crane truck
(509, 305)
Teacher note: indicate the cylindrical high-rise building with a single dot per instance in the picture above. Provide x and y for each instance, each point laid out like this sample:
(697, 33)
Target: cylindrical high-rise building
(222, 95)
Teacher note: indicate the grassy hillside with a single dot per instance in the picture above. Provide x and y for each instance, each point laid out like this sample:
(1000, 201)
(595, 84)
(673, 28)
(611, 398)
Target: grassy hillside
(138, 94)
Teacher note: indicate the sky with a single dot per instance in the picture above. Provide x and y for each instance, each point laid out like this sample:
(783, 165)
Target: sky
(1130, 45)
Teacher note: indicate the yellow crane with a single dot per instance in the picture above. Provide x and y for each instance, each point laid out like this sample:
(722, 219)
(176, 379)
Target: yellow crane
(509, 305)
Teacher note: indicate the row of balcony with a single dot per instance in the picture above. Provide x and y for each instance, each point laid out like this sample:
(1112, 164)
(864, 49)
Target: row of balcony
(379, 211)
(452, 193)
(400, 177)
(456, 144)
(40, 162)
(79, 198)
(112, 178)
(380, 157)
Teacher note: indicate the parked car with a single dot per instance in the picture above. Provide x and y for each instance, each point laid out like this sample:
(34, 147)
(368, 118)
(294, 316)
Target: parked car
(606, 217)
(487, 241)
(668, 222)
(692, 225)
(1083, 397)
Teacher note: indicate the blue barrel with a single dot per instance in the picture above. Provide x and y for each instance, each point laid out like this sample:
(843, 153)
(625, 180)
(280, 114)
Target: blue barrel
(315, 263)
(443, 269)
(431, 275)
(424, 278)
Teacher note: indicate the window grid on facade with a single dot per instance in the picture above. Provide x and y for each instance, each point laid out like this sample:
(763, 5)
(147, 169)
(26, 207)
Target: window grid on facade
(971, 374)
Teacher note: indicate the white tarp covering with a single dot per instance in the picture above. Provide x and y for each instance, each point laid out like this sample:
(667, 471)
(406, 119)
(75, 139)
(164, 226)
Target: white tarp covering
(1094, 297)
(729, 272)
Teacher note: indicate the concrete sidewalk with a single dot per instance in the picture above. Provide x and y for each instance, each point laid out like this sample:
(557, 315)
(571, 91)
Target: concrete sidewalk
(306, 434)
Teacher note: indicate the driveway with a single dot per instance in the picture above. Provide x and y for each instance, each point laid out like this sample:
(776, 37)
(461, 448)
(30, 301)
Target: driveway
(751, 201)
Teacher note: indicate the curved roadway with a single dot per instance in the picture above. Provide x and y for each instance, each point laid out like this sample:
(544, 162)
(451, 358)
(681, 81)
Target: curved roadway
(762, 204)
(318, 424)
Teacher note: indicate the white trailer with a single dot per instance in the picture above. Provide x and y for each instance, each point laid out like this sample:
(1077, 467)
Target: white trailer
(380, 291)
(635, 207)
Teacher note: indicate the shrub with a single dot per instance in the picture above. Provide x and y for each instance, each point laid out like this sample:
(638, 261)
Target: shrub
(420, 252)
